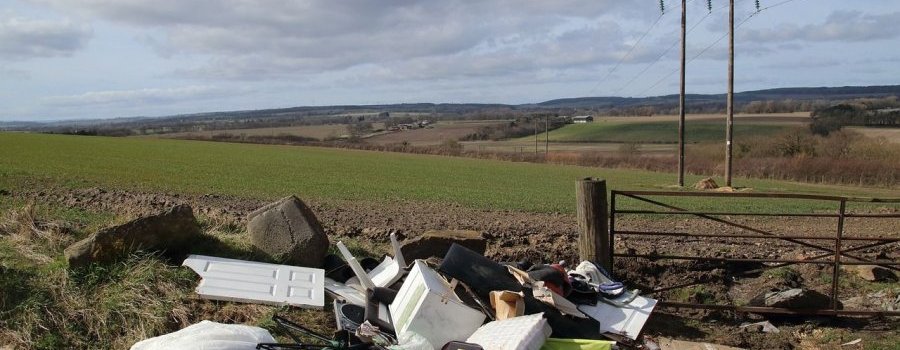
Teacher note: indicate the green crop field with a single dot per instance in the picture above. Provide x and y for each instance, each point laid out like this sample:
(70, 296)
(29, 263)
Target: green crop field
(266, 171)
(655, 132)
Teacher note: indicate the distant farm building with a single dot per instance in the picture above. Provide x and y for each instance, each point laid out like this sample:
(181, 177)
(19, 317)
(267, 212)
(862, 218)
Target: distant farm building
(582, 119)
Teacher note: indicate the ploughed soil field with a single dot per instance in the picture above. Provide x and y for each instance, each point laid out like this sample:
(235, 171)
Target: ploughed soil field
(550, 237)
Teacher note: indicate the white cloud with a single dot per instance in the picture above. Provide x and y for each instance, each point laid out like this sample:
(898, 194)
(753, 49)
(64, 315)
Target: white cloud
(138, 96)
(23, 38)
(842, 26)
(253, 40)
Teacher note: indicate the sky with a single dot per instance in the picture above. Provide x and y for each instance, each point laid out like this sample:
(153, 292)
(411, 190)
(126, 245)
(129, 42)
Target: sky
(85, 59)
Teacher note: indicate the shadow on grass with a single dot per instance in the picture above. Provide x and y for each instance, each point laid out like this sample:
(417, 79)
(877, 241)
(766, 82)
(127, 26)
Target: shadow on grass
(211, 245)
(673, 326)
(16, 288)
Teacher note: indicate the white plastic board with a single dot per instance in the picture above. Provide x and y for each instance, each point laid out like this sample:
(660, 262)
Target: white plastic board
(255, 282)
(627, 321)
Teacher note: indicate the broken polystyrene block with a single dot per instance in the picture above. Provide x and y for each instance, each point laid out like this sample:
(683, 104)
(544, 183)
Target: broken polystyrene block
(627, 321)
(426, 305)
(256, 282)
(517, 333)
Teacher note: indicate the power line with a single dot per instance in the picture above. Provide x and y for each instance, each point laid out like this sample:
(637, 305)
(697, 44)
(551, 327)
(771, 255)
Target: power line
(630, 51)
(655, 61)
(697, 55)
(715, 42)
(627, 54)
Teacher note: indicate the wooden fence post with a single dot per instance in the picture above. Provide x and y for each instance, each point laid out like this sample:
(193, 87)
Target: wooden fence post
(592, 211)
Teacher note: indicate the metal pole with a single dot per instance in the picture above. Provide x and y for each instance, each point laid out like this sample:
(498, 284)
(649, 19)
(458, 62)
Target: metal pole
(836, 272)
(729, 124)
(612, 231)
(681, 96)
(547, 135)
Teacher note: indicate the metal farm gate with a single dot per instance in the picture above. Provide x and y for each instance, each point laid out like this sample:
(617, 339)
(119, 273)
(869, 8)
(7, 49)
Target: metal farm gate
(834, 248)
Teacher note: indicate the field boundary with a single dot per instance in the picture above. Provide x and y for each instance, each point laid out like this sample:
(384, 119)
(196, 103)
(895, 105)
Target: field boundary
(833, 255)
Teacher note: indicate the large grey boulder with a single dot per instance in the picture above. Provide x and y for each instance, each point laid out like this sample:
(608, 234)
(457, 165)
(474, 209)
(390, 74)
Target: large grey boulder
(795, 298)
(436, 243)
(171, 232)
(289, 232)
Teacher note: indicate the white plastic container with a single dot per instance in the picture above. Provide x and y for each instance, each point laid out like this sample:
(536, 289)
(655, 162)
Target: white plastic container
(426, 305)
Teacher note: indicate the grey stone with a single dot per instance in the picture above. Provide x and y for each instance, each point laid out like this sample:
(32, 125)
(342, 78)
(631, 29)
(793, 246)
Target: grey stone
(760, 327)
(436, 243)
(795, 298)
(171, 232)
(289, 232)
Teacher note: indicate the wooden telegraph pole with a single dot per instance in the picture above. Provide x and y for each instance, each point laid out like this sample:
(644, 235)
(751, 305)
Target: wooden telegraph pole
(729, 123)
(681, 95)
(535, 135)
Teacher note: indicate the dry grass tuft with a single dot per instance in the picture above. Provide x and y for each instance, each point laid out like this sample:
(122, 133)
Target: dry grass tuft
(46, 305)
(33, 239)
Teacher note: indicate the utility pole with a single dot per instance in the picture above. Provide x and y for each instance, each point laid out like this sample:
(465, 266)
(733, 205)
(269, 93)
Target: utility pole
(681, 96)
(535, 135)
(729, 123)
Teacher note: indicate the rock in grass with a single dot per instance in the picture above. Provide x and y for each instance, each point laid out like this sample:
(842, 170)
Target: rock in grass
(288, 232)
(436, 243)
(795, 298)
(171, 232)
(706, 184)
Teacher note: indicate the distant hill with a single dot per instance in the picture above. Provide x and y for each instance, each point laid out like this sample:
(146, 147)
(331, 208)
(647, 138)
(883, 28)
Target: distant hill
(760, 101)
(797, 93)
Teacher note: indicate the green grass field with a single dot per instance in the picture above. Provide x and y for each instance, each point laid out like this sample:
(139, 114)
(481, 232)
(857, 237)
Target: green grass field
(655, 132)
(266, 171)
